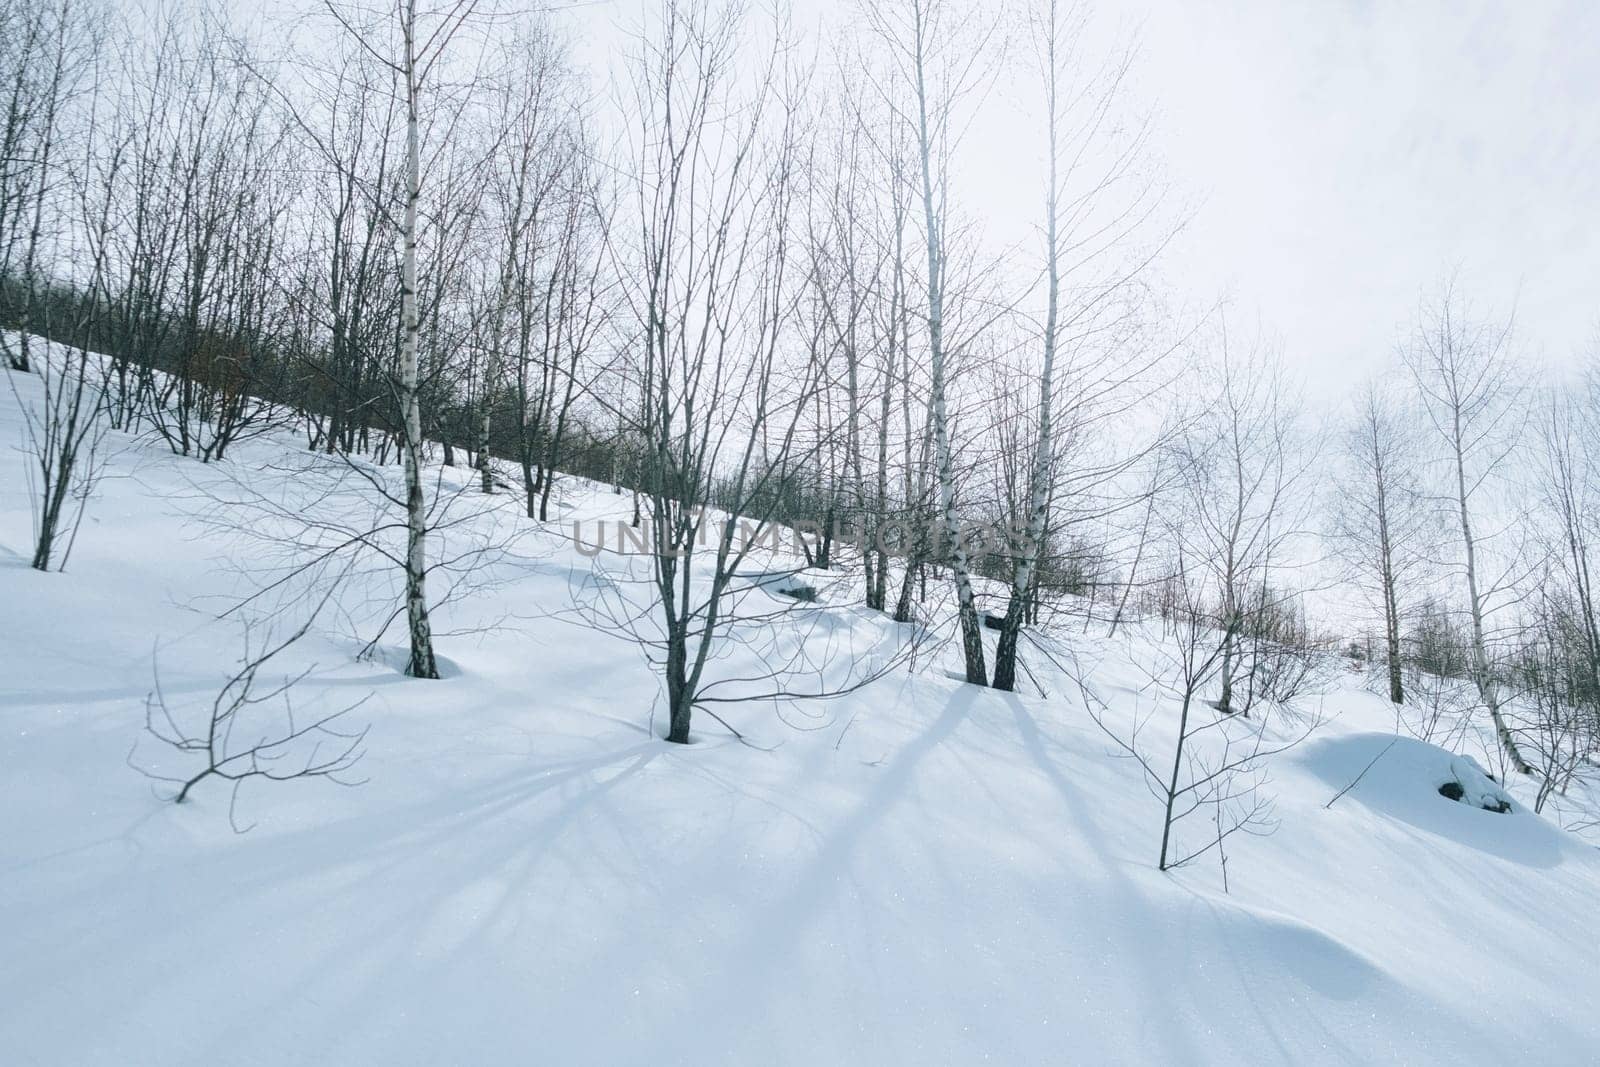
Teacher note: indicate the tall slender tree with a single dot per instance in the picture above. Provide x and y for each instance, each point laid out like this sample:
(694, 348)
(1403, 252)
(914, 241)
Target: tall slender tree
(1381, 526)
(1470, 392)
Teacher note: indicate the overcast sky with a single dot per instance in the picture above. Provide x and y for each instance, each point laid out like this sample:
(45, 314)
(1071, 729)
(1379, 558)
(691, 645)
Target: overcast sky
(1349, 153)
(1339, 158)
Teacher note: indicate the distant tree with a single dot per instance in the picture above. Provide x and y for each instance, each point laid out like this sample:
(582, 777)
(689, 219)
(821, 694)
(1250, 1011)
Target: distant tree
(1381, 523)
(1569, 447)
(49, 215)
(46, 49)
(1552, 668)
(1242, 463)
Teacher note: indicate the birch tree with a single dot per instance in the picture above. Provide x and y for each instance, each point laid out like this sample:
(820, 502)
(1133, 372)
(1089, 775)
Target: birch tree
(1243, 462)
(412, 52)
(1381, 524)
(1469, 388)
(934, 73)
(1101, 230)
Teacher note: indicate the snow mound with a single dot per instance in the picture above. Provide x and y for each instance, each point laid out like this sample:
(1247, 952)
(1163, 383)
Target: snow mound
(1299, 952)
(1408, 780)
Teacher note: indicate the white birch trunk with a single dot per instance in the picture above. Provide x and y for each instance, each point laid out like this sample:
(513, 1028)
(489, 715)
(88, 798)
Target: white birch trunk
(1482, 671)
(422, 663)
(971, 634)
(1005, 665)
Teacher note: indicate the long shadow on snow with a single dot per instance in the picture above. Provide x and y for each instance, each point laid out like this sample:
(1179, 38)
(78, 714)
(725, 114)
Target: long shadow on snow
(279, 878)
(520, 847)
(444, 835)
(1178, 1045)
(1163, 953)
(775, 932)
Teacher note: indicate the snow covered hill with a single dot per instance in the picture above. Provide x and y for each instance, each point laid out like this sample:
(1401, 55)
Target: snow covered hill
(919, 872)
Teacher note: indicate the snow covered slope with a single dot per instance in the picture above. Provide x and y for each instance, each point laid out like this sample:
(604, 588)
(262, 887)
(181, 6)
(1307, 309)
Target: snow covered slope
(921, 872)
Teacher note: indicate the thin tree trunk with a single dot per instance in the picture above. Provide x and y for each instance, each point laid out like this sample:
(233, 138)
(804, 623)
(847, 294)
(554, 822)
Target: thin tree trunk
(1391, 608)
(422, 664)
(1133, 568)
(1482, 672)
(1005, 656)
(1177, 768)
(971, 631)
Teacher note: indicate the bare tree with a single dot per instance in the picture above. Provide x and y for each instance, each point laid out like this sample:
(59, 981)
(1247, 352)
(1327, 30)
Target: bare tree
(886, 332)
(1569, 439)
(1381, 525)
(1217, 763)
(45, 53)
(1553, 669)
(63, 437)
(526, 179)
(49, 213)
(1468, 384)
(348, 291)
(1100, 210)
(413, 65)
(1152, 485)
(1243, 461)
(412, 46)
(238, 740)
(935, 73)
(725, 381)
(720, 400)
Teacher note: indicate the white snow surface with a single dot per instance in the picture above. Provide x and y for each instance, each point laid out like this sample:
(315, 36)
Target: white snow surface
(920, 872)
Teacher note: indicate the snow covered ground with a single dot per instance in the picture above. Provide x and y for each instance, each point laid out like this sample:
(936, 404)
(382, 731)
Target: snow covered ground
(919, 872)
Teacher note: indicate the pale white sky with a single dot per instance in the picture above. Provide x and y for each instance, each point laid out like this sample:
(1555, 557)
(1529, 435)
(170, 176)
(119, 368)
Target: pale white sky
(1339, 158)
(1350, 153)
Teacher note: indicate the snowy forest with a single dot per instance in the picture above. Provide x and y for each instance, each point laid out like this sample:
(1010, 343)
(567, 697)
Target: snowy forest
(509, 562)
